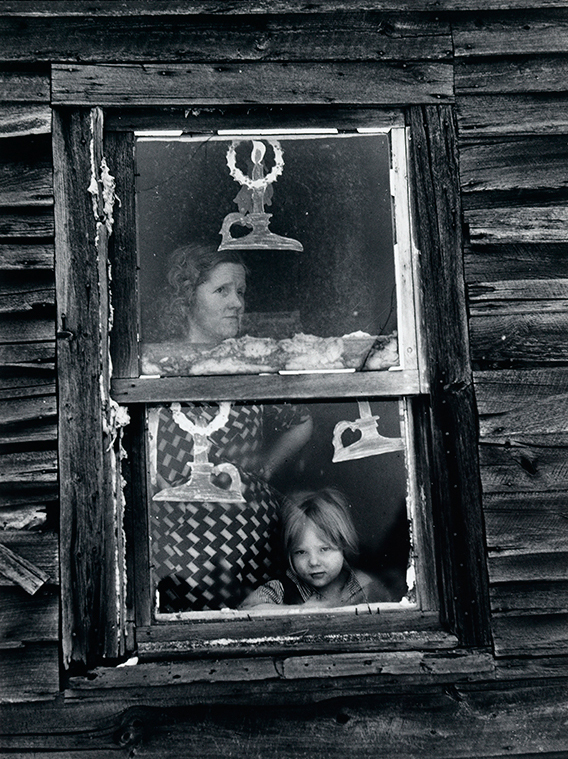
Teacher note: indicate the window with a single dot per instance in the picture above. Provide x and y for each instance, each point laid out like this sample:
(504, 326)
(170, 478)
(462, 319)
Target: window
(340, 209)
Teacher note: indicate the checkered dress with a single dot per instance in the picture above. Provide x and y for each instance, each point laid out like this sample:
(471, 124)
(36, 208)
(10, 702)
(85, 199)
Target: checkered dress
(210, 555)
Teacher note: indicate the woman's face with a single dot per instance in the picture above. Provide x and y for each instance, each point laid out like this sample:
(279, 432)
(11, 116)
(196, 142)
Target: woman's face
(218, 305)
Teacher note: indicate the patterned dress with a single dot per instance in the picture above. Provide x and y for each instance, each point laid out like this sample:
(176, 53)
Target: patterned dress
(210, 555)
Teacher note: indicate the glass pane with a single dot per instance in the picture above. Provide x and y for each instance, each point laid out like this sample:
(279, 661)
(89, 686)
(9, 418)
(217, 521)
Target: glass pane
(304, 224)
(233, 488)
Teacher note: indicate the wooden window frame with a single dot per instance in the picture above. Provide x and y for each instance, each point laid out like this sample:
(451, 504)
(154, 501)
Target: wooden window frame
(98, 623)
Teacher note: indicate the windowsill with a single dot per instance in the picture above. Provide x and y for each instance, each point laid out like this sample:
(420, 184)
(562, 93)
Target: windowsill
(285, 631)
(281, 611)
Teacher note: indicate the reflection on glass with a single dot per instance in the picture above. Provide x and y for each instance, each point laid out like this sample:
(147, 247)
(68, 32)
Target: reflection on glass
(221, 474)
(325, 300)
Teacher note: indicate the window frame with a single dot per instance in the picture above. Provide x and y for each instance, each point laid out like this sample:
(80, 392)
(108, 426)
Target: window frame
(98, 615)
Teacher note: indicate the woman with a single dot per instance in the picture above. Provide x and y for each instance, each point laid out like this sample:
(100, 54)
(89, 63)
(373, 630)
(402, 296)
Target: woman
(207, 555)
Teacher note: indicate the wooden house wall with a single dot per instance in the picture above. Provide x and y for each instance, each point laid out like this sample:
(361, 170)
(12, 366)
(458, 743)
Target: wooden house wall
(505, 70)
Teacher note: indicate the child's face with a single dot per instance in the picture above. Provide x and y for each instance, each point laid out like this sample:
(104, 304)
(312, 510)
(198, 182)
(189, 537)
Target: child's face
(315, 560)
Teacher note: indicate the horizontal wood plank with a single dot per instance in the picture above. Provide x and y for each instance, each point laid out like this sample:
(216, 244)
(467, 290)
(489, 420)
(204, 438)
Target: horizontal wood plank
(28, 409)
(29, 673)
(189, 37)
(521, 334)
(293, 632)
(402, 664)
(494, 263)
(505, 76)
(51, 8)
(252, 83)
(530, 634)
(543, 530)
(25, 297)
(282, 117)
(550, 500)
(18, 355)
(406, 665)
(18, 257)
(18, 515)
(28, 619)
(536, 595)
(265, 387)
(28, 466)
(20, 120)
(27, 222)
(16, 328)
(516, 114)
(524, 467)
(522, 402)
(459, 722)
(527, 224)
(510, 567)
(25, 85)
(27, 181)
(517, 290)
(509, 33)
(529, 163)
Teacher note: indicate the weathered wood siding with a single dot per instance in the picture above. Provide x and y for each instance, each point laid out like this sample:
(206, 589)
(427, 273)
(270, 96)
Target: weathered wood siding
(513, 119)
(504, 66)
(29, 627)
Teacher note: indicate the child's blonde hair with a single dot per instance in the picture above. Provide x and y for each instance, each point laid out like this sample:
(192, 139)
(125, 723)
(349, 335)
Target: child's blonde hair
(329, 510)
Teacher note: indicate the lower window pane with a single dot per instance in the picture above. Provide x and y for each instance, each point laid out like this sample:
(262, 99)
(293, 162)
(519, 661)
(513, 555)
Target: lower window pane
(311, 499)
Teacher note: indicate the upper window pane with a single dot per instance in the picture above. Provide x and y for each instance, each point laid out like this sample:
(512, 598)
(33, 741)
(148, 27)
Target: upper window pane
(305, 225)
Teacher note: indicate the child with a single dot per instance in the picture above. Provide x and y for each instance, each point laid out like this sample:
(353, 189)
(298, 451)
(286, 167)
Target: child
(318, 533)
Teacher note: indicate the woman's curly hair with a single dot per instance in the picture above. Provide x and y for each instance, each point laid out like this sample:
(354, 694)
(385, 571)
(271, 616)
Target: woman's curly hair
(189, 266)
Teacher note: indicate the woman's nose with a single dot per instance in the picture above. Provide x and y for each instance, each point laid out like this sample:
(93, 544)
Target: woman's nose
(236, 300)
(313, 560)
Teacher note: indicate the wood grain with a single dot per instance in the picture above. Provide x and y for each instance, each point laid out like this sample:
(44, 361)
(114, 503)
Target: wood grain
(17, 120)
(524, 224)
(525, 74)
(89, 533)
(509, 33)
(514, 163)
(40, 547)
(22, 572)
(25, 257)
(29, 673)
(494, 263)
(516, 114)
(185, 37)
(28, 618)
(54, 8)
(26, 172)
(525, 466)
(28, 84)
(454, 467)
(525, 634)
(369, 83)
(26, 222)
(271, 387)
